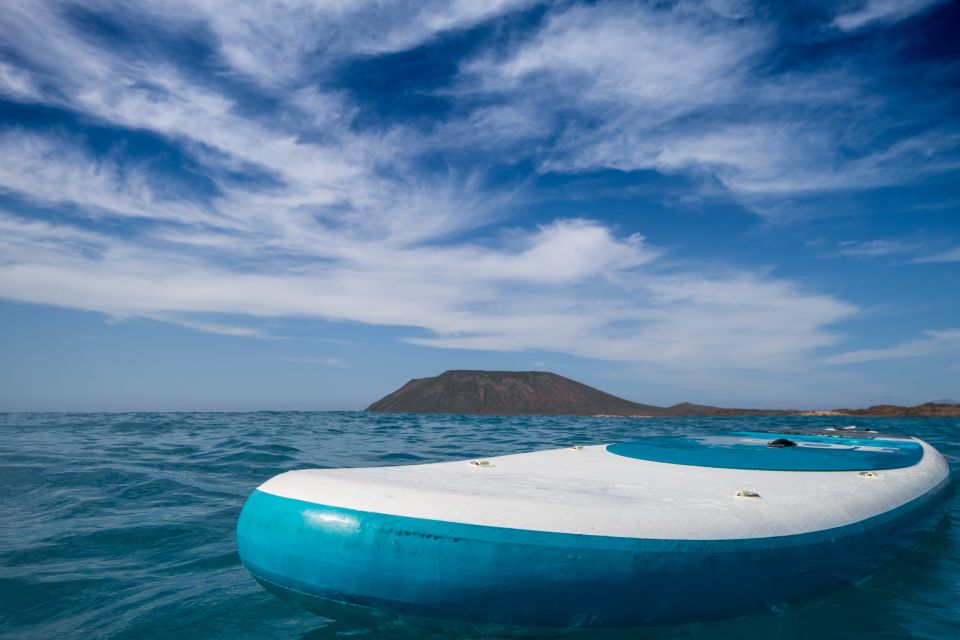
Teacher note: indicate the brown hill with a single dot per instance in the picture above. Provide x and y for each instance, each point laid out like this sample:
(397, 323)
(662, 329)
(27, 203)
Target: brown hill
(925, 410)
(506, 393)
(514, 393)
(510, 393)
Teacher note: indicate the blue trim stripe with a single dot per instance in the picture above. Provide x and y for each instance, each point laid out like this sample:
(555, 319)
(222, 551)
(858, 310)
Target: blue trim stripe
(315, 554)
(749, 450)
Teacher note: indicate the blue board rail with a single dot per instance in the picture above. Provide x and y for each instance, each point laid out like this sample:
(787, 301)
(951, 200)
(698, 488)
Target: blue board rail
(315, 555)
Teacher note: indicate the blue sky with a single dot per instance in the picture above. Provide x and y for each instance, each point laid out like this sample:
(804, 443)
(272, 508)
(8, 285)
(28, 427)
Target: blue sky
(301, 205)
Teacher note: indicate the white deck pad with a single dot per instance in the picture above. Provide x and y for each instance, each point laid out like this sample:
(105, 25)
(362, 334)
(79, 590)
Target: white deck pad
(591, 491)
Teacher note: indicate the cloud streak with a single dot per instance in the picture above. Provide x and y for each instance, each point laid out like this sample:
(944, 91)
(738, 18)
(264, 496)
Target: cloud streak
(328, 362)
(291, 204)
(873, 11)
(943, 342)
(950, 255)
(684, 89)
(530, 295)
(876, 248)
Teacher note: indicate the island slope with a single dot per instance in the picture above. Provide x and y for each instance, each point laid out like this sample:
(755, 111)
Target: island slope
(513, 393)
(517, 393)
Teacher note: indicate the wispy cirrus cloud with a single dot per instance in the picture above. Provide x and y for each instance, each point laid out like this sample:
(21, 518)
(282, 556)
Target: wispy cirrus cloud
(919, 251)
(53, 168)
(943, 342)
(309, 211)
(950, 255)
(282, 42)
(866, 12)
(328, 362)
(876, 248)
(527, 295)
(15, 83)
(683, 88)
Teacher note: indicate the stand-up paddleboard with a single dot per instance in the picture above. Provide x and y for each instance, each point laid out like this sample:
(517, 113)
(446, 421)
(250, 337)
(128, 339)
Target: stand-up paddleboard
(661, 529)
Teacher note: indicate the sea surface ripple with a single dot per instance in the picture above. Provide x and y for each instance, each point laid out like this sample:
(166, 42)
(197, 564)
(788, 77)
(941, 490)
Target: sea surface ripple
(122, 525)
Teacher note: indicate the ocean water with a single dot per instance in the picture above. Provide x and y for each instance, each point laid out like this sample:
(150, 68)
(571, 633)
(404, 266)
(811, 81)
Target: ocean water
(122, 525)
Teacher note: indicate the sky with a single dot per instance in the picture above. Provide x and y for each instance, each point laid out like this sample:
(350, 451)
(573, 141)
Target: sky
(210, 205)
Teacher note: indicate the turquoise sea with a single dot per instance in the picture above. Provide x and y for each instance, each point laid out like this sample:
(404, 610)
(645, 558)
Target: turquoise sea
(122, 525)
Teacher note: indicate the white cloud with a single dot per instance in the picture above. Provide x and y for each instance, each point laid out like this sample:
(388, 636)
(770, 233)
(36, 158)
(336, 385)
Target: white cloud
(950, 255)
(876, 248)
(681, 323)
(614, 53)
(54, 169)
(639, 79)
(220, 328)
(872, 11)
(339, 182)
(329, 362)
(352, 229)
(680, 89)
(274, 42)
(535, 292)
(761, 161)
(933, 343)
(280, 41)
(15, 83)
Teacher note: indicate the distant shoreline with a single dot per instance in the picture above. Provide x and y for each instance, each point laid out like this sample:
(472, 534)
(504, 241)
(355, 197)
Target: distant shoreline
(541, 393)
